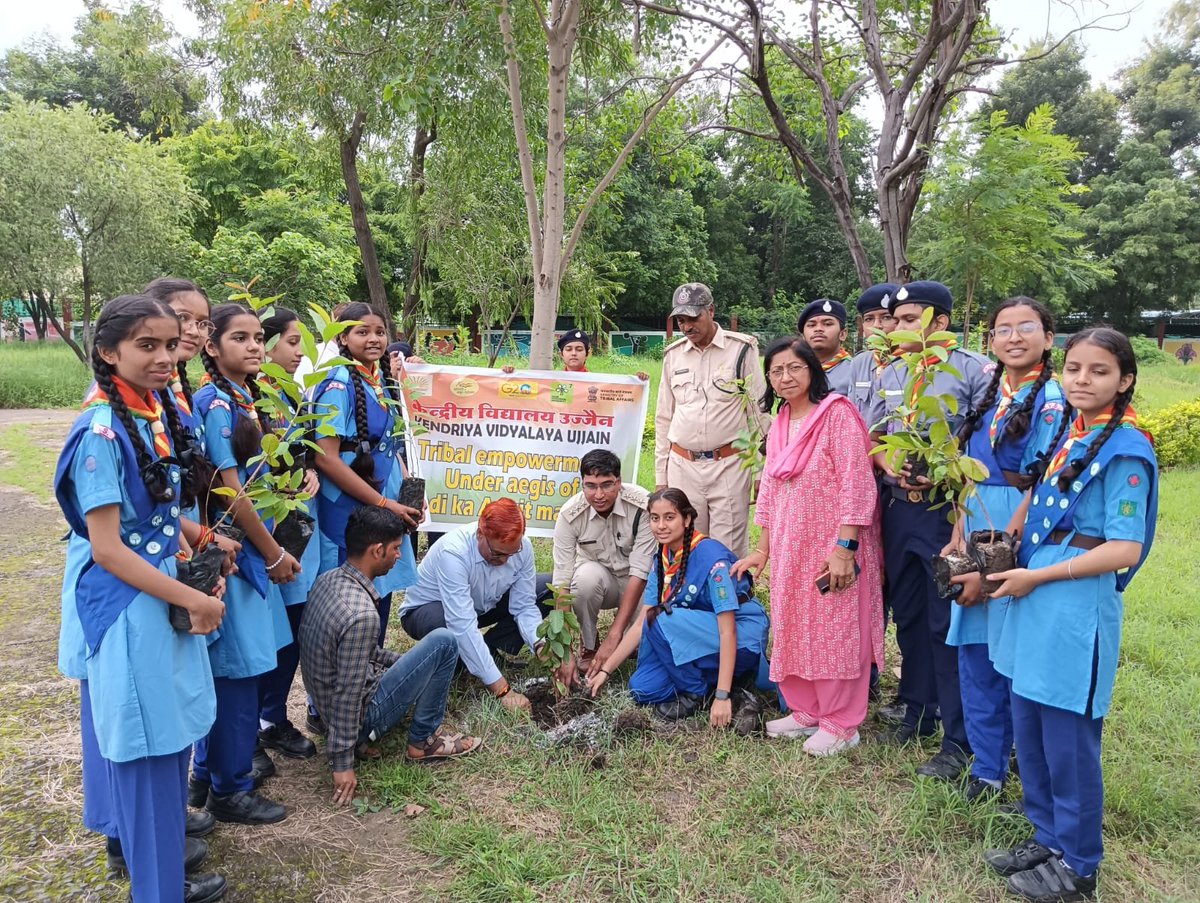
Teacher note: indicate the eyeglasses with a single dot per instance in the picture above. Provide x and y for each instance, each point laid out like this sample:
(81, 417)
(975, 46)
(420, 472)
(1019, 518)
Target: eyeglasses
(204, 327)
(606, 486)
(792, 370)
(494, 552)
(1029, 327)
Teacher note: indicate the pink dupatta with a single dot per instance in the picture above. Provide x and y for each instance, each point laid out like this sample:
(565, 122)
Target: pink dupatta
(789, 459)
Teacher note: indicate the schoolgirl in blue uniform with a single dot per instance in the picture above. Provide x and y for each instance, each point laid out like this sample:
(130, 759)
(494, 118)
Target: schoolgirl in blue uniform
(147, 691)
(255, 624)
(1012, 433)
(1088, 526)
(361, 465)
(282, 333)
(697, 633)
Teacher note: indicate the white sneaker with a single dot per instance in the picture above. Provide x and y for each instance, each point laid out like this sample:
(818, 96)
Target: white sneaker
(823, 743)
(787, 726)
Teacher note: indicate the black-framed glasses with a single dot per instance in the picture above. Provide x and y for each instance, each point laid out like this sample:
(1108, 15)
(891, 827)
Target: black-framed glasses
(493, 552)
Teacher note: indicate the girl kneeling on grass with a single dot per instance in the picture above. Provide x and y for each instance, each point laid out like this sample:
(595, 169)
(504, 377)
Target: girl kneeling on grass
(1085, 530)
(148, 690)
(255, 624)
(697, 633)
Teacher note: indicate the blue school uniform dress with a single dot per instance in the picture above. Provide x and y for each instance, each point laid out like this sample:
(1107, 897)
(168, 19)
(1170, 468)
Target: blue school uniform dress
(147, 690)
(914, 530)
(680, 651)
(336, 394)
(976, 629)
(1059, 645)
(255, 623)
(274, 686)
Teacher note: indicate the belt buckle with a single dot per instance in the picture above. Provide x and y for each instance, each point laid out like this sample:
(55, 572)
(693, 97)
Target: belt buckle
(916, 495)
(703, 456)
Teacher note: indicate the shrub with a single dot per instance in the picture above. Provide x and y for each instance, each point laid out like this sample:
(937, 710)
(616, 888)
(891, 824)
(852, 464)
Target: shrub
(1147, 351)
(1176, 432)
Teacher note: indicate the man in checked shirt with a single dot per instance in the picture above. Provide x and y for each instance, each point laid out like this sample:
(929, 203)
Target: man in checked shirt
(360, 689)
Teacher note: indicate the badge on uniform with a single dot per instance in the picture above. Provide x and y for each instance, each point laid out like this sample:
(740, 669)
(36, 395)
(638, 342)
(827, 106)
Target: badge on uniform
(1127, 508)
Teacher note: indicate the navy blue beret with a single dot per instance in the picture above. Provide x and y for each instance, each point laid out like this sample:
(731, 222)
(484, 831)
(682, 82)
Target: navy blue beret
(826, 306)
(927, 292)
(877, 297)
(574, 335)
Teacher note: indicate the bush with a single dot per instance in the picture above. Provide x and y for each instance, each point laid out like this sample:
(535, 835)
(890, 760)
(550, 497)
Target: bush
(1147, 352)
(1176, 432)
(41, 375)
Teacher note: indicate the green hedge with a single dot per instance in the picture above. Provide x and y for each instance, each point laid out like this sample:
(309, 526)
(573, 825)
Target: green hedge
(1176, 432)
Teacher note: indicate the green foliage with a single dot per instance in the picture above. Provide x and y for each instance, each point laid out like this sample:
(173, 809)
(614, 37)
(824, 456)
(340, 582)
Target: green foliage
(559, 630)
(1162, 90)
(1147, 351)
(1176, 432)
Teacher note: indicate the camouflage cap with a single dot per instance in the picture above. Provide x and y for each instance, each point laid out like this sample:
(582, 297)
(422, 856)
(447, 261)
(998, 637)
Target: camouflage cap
(691, 299)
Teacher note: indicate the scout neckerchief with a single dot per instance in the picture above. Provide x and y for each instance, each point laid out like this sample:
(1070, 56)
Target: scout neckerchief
(842, 355)
(241, 397)
(671, 567)
(373, 377)
(145, 407)
(1079, 431)
(1008, 395)
(928, 361)
(181, 399)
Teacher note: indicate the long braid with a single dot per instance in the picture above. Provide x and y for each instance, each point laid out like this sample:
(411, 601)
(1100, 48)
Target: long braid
(972, 423)
(363, 464)
(184, 382)
(154, 476)
(1019, 419)
(653, 610)
(247, 435)
(681, 574)
(198, 471)
(1074, 470)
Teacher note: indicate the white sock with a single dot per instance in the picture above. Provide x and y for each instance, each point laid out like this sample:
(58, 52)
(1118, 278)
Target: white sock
(265, 725)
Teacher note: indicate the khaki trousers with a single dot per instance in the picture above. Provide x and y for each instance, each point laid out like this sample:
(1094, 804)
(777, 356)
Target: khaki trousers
(720, 493)
(595, 588)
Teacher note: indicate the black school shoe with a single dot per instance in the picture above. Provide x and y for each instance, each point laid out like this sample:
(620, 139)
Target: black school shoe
(1020, 858)
(947, 765)
(194, 852)
(203, 889)
(684, 705)
(316, 724)
(200, 823)
(980, 791)
(262, 766)
(245, 808)
(903, 734)
(289, 741)
(198, 790)
(1053, 881)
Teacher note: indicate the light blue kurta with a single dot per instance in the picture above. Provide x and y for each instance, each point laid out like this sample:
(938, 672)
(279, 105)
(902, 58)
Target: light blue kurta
(150, 686)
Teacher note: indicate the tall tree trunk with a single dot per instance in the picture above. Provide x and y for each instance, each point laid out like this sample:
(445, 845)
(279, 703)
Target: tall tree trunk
(348, 146)
(968, 301)
(37, 313)
(85, 268)
(416, 190)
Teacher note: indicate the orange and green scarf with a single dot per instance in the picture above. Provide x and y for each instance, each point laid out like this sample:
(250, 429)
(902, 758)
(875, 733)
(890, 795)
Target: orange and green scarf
(928, 361)
(842, 355)
(1080, 431)
(181, 399)
(671, 568)
(1008, 394)
(241, 397)
(145, 407)
(373, 377)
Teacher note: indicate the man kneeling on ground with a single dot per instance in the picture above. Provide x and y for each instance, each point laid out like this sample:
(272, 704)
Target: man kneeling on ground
(362, 690)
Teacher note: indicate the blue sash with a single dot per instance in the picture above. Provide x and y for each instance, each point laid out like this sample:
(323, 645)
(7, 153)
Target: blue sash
(101, 597)
(1059, 507)
(334, 513)
(1013, 456)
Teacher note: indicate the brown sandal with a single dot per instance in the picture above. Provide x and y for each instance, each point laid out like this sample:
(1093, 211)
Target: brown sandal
(444, 746)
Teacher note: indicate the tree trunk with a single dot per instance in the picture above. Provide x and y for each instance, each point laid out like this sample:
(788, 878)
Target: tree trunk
(37, 313)
(348, 146)
(85, 268)
(968, 300)
(416, 190)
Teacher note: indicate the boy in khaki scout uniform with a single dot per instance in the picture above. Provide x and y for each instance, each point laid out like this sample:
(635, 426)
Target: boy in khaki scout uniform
(603, 551)
(700, 412)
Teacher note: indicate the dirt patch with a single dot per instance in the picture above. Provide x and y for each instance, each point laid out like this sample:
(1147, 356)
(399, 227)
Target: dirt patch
(549, 711)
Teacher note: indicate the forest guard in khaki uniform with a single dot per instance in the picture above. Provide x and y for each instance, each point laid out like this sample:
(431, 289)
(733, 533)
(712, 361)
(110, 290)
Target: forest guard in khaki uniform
(700, 413)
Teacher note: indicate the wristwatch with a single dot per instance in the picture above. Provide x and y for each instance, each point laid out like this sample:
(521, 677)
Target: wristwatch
(851, 544)
(721, 694)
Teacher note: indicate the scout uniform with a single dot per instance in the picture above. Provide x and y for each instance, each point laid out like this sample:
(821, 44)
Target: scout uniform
(914, 531)
(837, 368)
(595, 555)
(866, 366)
(700, 413)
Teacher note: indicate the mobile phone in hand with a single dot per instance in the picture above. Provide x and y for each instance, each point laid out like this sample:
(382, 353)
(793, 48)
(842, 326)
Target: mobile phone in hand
(822, 581)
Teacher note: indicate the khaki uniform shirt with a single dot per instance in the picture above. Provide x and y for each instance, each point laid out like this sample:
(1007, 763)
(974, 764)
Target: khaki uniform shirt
(699, 408)
(580, 534)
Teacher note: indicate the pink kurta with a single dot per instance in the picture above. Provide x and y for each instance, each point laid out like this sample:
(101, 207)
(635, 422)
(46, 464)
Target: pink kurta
(824, 637)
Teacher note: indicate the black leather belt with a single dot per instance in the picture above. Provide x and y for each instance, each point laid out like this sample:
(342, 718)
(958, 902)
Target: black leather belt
(1078, 541)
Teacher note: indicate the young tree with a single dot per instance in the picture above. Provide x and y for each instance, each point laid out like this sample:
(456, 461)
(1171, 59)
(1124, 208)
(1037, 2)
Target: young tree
(998, 213)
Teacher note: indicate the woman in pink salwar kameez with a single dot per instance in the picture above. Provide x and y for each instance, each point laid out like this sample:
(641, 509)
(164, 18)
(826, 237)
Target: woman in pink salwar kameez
(817, 509)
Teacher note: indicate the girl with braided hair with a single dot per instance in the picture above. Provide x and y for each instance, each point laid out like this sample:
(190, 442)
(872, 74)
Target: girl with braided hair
(1086, 527)
(1012, 432)
(700, 628)
(146, 689)
(360, 464)
(223, 772)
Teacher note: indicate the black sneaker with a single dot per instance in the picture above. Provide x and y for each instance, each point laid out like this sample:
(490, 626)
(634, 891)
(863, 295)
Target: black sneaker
(194, 852)
(980, 791)
(1019, 858)
(747, 713)
(289, 741)
(684, 705)
(1052, 881)
(892, 714)
(315, 724)
(203, 888)
(198, 792)
(246, 808)
(200, 823)
(946, 765)
(902, 734)
(1016, 807)
(262, 766)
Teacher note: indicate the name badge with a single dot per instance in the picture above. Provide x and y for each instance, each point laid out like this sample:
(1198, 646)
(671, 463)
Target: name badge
(863, 385)
(684, 370)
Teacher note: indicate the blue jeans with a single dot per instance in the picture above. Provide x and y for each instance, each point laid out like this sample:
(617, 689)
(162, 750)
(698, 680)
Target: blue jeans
(421, 678)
